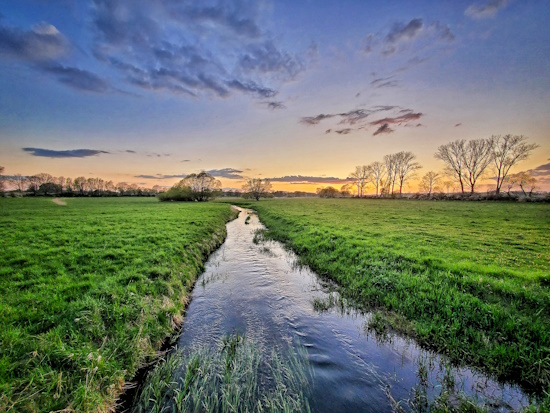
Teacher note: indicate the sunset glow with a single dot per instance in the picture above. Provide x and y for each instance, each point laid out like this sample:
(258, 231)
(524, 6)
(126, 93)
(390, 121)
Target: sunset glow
(300, 92)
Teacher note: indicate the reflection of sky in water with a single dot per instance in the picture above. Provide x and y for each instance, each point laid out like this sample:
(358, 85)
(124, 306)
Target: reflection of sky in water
(258, 291)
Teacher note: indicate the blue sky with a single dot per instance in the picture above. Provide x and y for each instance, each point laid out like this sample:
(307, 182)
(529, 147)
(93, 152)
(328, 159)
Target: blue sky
(300, 91)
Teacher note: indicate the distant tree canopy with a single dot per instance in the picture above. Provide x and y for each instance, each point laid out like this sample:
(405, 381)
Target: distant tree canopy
(194, 187)
(329, 192)
(257, 188)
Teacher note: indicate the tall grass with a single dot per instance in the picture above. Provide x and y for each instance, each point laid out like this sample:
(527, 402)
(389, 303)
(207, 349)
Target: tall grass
(89, 290)
(236, 376)
(472, 280)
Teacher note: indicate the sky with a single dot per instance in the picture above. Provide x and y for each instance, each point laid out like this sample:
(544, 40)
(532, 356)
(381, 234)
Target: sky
(300, 92)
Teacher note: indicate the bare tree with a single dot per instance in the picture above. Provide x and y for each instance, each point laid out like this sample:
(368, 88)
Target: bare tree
(19, 181)
(347, 190)
(507, 151)
(80, 184)
(405, 168)
(257, 187)
(452, 155)
(1, 179)
(377, 175)
(390, 162)
(360, 178)
(524, 180)
(449, 185)
(477, 157)
(429, 182)
(203, 185)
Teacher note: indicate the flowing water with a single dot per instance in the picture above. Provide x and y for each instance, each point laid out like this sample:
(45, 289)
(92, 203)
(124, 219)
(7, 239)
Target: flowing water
(257, 290)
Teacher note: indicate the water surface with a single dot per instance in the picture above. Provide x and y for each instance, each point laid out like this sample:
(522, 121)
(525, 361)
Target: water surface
(257, 290)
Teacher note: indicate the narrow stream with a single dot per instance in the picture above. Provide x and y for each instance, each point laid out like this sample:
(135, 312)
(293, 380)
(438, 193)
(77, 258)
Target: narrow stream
(258, 291)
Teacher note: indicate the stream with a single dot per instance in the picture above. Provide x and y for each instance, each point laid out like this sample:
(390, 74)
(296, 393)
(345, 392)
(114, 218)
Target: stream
(257, 290)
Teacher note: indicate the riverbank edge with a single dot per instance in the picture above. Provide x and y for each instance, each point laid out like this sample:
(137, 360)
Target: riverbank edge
(392, 319)
(127, 392)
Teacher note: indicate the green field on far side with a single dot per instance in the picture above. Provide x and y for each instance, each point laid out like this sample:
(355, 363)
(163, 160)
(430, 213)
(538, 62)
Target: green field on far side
(88, 290)
(468, 279)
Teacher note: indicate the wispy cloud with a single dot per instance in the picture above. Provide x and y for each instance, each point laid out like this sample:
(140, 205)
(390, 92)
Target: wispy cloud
(385, 128)
(73, 153)
(160, 176)
(301, 179)
(273, 105)
(486, 10)
(229, 173)
(357, 119)
(77, 78)
(193, 48)
(42, 42)
(384, 82)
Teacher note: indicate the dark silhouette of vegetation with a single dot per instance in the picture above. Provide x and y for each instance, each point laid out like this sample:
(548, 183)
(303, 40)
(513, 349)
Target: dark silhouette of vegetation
(329, 192)
(194, 187)
(257, 188)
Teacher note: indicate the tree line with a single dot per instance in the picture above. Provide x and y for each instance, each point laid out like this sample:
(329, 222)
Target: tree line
(48, 185)
(465, 163)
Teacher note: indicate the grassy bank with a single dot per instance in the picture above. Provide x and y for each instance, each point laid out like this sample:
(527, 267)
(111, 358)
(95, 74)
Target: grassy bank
(471, 280)
(89, 290)
(235, 377)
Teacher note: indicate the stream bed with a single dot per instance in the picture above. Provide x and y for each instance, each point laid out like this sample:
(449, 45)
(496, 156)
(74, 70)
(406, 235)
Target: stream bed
(255, 289)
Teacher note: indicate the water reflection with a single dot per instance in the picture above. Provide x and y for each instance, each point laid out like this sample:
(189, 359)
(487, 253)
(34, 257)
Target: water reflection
(255, 288)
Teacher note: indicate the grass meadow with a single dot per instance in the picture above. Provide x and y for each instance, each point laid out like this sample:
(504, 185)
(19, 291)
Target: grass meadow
(468, 279)
(90, 290)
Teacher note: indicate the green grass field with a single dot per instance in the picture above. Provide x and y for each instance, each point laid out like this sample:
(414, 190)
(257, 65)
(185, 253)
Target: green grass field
(468, 279)
(89, 290)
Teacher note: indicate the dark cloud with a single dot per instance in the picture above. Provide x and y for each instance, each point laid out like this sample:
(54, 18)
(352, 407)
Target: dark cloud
(385, 128)
(192, 48)
(343, 131)
(314, 120)
(402, 31)
(542, 169)
(186, 160)
(129, 151)
(229, 173)
(267, 59)
(458, 124)
(407, 117)
(160, 176)
(251, 87)
(77, 78)
(354, 116)
(301, 179)
(487, 10)
(275, 105)
(73, 153)
(43, 42)
(384, 82)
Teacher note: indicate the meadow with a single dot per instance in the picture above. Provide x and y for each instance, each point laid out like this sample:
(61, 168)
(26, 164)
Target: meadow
(90, 290)
(470, 280)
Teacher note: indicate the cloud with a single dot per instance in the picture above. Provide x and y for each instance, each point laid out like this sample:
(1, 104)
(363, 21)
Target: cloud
(74, 153)
(314, 120)
(541, 170)
(400, 31)
(407, 117)
(186, 160)
(458, 125)
(192, 48)
(275, 105)
(42, 43)
(301, 179)
(385, 128)
(129, 151)
(384, 82)
(358, 119)
(77, 78)
(343, 131)
(229, 173)
(160, 176)
(487, 10)
(252, 87)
